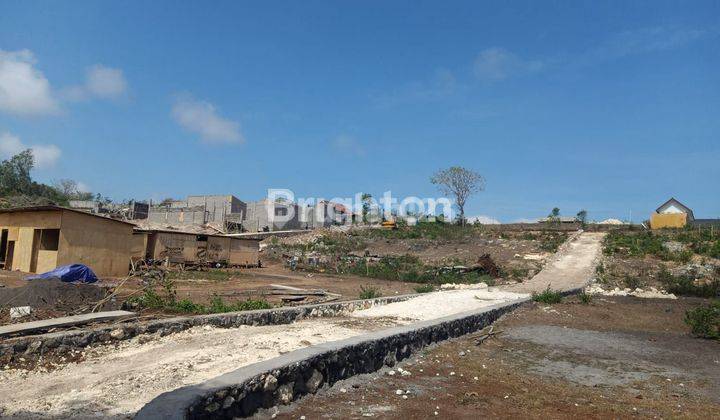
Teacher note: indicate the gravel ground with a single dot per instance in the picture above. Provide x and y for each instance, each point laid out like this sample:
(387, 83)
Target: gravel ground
(116, 380)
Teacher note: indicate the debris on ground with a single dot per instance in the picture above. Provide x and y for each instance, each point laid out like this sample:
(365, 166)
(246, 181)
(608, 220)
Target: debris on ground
(462, 286)
(649, 293)
(484, 334)
(20, 311)
(25, 328)
(617, 358)
(52, 298)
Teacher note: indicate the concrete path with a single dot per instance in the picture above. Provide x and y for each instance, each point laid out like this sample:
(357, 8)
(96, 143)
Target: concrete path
(116, 381)
(571, 267)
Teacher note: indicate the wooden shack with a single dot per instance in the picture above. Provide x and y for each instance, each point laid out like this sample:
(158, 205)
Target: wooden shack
(41, 238)
(200, 249)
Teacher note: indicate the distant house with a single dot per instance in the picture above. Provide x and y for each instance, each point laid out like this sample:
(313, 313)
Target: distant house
(671, 214)
(558, 219)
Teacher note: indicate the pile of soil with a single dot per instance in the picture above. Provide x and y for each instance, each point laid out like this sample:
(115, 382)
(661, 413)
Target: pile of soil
(49, 298)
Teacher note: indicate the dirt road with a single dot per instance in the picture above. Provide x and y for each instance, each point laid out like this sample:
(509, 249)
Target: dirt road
(115, 381)
(571, 267)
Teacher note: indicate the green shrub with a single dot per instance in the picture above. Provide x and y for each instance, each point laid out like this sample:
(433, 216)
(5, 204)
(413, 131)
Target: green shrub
(686, 286)
(369, 292)
(632, 282)
(445, 231)
(600, 269)
(701, 241)
(585, 298)
(187, 306)
(409, 268)
(213, 274)
(425, 288)
(705, 321)
(166, 301)
(218, 306)
(547, 296)
(519, 273)
(551, 241)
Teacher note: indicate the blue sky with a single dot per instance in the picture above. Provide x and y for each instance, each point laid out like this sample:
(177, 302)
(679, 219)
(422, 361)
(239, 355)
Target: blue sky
(608, 106)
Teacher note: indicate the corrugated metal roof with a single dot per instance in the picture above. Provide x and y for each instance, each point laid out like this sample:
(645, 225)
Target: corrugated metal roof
(59, 208)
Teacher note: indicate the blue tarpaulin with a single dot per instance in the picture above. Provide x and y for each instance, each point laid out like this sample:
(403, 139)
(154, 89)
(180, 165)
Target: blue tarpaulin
(69, 273)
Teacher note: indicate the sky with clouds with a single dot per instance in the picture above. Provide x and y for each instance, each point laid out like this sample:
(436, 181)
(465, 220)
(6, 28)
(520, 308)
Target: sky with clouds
(606, 106)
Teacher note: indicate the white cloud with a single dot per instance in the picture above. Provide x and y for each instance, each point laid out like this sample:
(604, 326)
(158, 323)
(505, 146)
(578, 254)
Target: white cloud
(485, 220)
(100, 82)
(639, 41)
(45, 154)
(24, 90)
(105, 82)
(497, 63)
(493, 64)
(348, 145)
(201, 117)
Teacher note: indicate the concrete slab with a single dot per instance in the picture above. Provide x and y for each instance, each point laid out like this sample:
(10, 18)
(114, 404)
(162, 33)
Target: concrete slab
(65, 321)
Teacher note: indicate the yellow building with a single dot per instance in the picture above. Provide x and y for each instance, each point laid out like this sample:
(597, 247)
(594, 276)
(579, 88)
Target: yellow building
(672, 214)
(39, 239)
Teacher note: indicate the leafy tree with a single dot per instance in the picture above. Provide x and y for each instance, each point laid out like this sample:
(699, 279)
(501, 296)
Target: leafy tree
(582, 217)
(460, 183)
(15, 174)
(554, 216)
(366, 202)
(17, 187)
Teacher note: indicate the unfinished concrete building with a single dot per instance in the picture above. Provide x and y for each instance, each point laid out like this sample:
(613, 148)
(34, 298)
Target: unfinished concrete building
(38, 239)
(222, 211)
(265, 215)
(132, 210)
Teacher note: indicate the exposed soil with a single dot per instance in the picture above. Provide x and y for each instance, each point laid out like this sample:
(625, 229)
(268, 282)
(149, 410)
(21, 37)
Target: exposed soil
(56, 299)
(51, 298)
(616, 357)
(520, 254)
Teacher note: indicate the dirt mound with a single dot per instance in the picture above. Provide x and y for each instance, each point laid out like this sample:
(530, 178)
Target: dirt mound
(52, 296)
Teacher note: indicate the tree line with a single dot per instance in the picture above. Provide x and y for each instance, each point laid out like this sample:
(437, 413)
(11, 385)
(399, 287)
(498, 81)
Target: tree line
(18, 189)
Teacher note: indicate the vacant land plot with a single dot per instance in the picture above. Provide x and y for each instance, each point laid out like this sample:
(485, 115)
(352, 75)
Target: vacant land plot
(425, 253)
(399, 261)
(116, 380)
(681, 261)
(615, 357)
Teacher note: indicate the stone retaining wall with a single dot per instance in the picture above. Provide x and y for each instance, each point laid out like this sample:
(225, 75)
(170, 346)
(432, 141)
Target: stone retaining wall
(31, 348)
(286, 378)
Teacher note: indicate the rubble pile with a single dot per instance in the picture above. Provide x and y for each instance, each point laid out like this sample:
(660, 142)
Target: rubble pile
(649, 293)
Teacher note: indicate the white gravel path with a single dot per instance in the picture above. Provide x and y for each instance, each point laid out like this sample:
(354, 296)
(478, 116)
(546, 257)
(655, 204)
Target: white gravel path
(117, 382)
(440, 304)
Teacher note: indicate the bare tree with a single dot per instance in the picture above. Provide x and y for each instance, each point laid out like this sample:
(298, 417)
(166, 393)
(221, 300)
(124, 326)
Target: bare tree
(71, 190)
(460, 183)
(67, 187)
